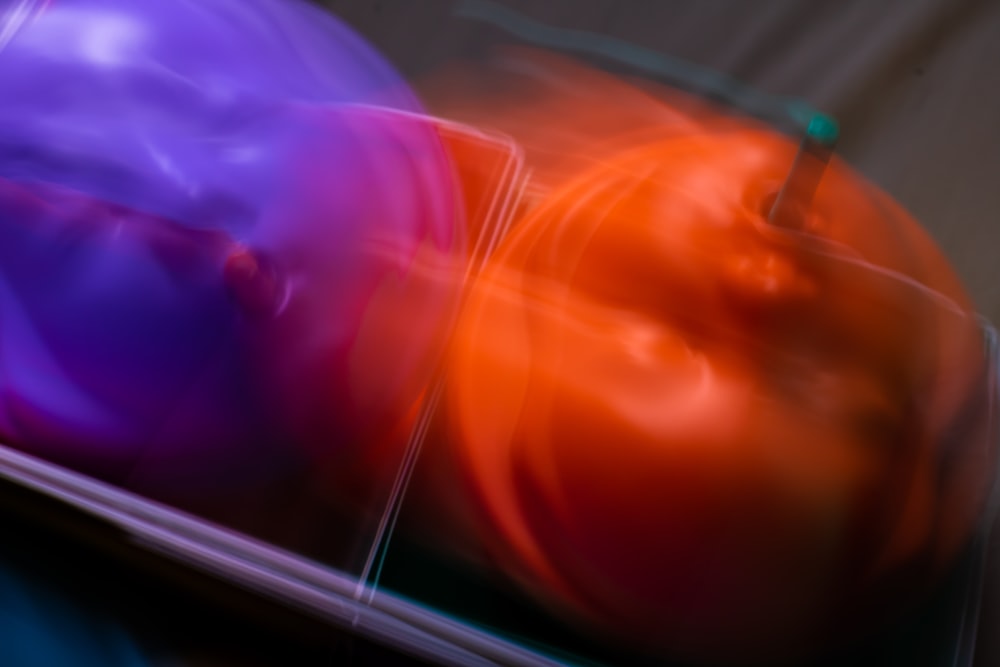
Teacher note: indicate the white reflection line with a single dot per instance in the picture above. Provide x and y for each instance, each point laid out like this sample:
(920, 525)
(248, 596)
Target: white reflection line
(13, 20)
(289, 579)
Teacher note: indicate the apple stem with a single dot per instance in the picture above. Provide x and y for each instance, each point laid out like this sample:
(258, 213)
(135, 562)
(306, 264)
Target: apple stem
(807, 170)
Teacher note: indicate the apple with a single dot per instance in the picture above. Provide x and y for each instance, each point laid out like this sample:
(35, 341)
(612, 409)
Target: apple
(707, 436)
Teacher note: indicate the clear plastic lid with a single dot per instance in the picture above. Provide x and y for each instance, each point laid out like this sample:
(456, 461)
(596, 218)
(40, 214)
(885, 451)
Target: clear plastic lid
(588, 356)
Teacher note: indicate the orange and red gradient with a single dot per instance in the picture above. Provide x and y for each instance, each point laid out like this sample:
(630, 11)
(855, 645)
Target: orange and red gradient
(697, 431)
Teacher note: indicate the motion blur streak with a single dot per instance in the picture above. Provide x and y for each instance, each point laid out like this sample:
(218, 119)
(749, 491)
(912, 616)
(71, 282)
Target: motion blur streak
(700, 433)
(209, 215)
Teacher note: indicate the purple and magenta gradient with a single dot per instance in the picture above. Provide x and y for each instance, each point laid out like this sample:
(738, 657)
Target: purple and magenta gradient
(209, 214)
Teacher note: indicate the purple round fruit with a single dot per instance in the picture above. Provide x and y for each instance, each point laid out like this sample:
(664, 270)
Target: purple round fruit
(207, 208)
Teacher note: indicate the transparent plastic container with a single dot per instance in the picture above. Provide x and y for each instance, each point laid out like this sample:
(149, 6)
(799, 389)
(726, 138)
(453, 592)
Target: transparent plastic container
(362, 563)
(329, 578)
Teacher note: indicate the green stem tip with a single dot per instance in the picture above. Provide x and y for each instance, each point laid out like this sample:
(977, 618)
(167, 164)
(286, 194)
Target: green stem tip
(807, 169)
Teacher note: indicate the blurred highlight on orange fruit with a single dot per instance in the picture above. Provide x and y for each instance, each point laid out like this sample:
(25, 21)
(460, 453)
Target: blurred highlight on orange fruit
(685, 427)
